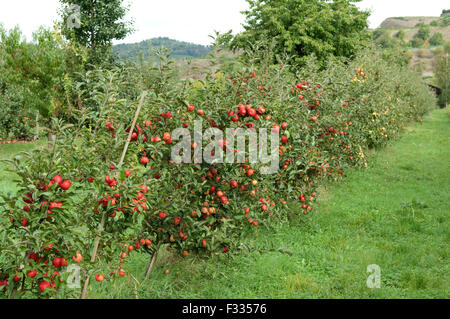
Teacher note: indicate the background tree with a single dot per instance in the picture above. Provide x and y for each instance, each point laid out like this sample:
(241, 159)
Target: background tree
(383, 38)
(34, 72)
(304, 27)
(401, 35)
(442, 74)
(421, 36)
(100, 22)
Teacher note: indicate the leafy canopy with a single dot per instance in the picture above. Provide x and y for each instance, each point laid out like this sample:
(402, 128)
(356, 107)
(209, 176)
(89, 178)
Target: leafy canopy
(300, 28)
(100, 22)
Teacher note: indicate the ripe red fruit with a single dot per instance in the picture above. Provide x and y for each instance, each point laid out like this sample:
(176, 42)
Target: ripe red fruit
(162, 215)
(57, 262)
(144, 188)
(28, 198)
(255, 223)
(284, 125)
(284, 139)
(204, 243)
(32, 273)
(16, 278)
(148, 242)
(224, 200)
(191, 108)
(24, 222)
(65, 185)
(99, 278)
(112, 167)
(200, 112)
(252, 112)
(127, 173)
(177, 220)
(145, 160)
(57, 179)
(250, 172)
(166, 136)
(43, 285)
(234, 184)
(276, 128)
(78, 259)
(261, 110)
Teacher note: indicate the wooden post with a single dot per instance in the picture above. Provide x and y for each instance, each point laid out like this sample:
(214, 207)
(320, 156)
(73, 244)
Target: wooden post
(151, 264)
(36, 134)
(102, 223)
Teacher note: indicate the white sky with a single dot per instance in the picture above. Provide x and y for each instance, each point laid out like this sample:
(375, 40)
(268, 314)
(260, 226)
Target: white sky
(193, 20)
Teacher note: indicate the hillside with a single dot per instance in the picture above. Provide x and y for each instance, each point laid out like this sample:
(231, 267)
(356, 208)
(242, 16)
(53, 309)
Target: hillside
(406, 22)
(179, 49)
(419, 34)
(411, 25)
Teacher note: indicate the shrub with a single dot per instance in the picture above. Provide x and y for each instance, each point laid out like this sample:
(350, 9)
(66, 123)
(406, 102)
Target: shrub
(16, 119)
(442, 75)
(437, 39)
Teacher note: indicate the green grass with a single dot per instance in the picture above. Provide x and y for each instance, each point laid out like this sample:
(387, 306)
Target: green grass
(393, 214)
(8, 151)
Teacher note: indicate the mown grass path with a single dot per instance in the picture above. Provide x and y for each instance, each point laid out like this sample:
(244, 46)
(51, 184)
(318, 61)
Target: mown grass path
(394, 214)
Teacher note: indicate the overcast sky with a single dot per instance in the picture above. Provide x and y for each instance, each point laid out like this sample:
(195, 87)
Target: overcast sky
(193, 20)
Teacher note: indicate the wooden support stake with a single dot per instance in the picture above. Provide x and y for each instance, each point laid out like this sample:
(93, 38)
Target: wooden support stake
(102, 224)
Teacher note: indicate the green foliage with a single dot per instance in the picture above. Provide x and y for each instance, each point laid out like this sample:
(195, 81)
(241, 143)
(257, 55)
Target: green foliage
(401, 35)
(178, 49)
(383, 38)
(421, 36)
(332, 117)
(300, 28)
(101, 22)
(437, 39)
(32, 78)
(416, 42)
(392, 214)
(16, 120)
(442, 75)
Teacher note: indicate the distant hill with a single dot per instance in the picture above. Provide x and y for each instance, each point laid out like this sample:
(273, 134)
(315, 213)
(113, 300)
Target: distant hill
(179, 49)
(406, 22)
(413, 22)
(409, 27)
